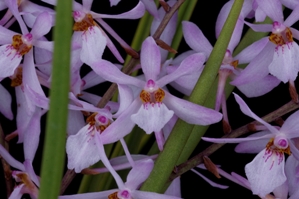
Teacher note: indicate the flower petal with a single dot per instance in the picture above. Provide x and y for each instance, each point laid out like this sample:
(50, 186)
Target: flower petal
(249, 53)
(93, 45)
(42, 25)
(152, 117)
(285, 62)
(10, 160)
(188, 66)
(81, 149)
(291, 126)
(253, 146)
(259, 87)
(111, 73)
(265, 172)
(196, 39)
(257, 68)
(190, 112)
(9, 60)
(125, 98)
(272, 8)
(122, 126)
(150, 59)
(236, 140)
(246, 110)
(135, 13)
(5, 103)
(139, 173)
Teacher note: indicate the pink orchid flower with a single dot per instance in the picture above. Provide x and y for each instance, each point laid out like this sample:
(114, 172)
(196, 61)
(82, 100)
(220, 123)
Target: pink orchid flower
(127, 190)
(91, 36)
(279, 51)
(155, 107)
(266, 171)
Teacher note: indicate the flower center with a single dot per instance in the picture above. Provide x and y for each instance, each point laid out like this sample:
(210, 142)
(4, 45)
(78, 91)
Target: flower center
(17, 78)
(82, 21)
(228, 59)
(22, 44)
(279, 144)
(153, 97)
(124, 194)
(280, 34)
(98, 121)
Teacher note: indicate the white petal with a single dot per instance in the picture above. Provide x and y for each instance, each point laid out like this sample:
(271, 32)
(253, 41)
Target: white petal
(82, 150)
(266, 172)
(152, 117)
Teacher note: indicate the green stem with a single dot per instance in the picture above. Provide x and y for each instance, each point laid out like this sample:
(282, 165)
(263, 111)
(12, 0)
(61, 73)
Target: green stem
(167, 159)
(54, 148)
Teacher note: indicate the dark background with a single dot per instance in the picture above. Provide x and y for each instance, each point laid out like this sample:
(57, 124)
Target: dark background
(205, 15)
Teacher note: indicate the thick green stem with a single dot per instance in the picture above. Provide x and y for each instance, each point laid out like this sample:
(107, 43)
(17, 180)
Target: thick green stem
(54, 148)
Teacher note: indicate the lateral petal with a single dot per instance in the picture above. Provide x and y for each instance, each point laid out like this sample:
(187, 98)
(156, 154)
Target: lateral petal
(190, 112)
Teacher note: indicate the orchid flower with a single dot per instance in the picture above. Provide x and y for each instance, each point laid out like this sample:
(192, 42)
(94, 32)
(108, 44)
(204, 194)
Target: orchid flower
(150, 111)
(26, 177)
(198, 42)
(279, 54)
(93, 38)
(266, 171)
(127, 190)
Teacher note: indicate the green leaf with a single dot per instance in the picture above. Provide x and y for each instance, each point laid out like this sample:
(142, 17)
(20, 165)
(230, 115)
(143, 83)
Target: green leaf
(56, 127)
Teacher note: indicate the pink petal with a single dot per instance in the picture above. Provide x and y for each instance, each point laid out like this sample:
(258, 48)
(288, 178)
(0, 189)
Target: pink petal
(106, 162)
(265, 172)
(291, 126)
(6, 35)
(92, 79)
(293, 17)
(249, 53)
(18, 192)
(190, 112)
(31, 135)
(195, 38)
(246, 110)
(290, 4)
(152, 117)
(5, 103)
(10, 160)
(47, 45)
(13, 7)
(93, 45)
(139, 173)
(260, 15)
(188, 66)
(260, 27)
(9, 60)
(259, 87)
(42, 25)
(75, 122)
(150, 59)
(135, 13)
(253, 146)
(151, 7)
(285, 62)
(111, 73)
(257, 68)
(272, 8)
(291, 171)
(125, 98)
(122, 126)
(87, 4)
